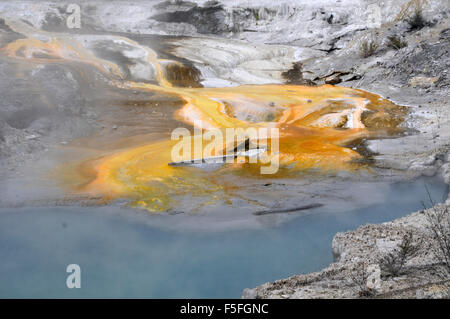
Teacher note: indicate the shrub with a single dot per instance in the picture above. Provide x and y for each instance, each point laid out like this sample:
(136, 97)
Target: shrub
(394, 261)
(439, 226)
(396, 43)
(368, 48)
(359, 278)
(417, 21)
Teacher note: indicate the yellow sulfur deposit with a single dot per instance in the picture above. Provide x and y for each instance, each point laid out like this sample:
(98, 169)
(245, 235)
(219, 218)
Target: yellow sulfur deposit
(316, 124)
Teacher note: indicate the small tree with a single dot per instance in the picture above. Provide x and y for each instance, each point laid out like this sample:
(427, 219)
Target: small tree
(439, 226)
(359, 278)
(417, 21)
(394, 261)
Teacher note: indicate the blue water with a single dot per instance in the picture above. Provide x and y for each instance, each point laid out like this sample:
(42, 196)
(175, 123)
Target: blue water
(122, 257)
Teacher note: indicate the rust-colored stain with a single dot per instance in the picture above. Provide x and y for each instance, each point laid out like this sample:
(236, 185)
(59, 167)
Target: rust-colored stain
(315, 125)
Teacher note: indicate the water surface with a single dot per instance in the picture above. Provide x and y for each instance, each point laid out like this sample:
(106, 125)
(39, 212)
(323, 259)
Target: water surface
(120, 256)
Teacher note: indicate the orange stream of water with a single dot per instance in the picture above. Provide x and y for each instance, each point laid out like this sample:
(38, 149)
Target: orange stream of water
(315, 124)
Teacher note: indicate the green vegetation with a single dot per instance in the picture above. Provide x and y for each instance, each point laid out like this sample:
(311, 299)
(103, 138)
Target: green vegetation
(417, 20)
(368, 48)
(394, 261)
(396, 43)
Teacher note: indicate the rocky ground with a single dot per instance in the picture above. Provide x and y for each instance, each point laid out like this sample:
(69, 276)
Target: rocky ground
(238, 42)
(358, 270)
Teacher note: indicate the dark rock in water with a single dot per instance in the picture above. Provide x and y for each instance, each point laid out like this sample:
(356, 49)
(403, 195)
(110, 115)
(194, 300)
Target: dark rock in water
(288, 210)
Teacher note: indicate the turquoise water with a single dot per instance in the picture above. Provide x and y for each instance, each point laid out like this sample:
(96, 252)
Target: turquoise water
(122, 257)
